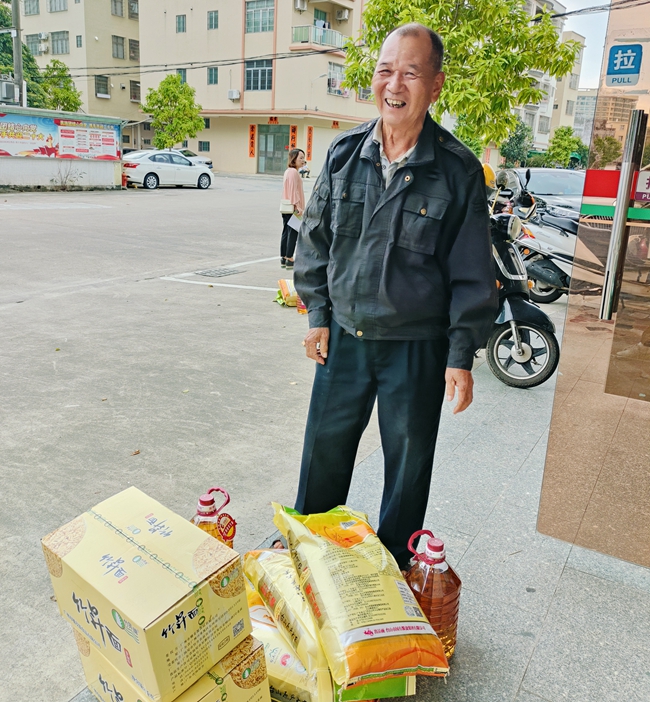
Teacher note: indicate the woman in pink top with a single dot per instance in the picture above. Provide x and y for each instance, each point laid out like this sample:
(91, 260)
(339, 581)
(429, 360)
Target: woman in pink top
(292, 190)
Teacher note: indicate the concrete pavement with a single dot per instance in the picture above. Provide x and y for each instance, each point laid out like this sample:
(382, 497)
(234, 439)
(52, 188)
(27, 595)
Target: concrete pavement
(112, 344)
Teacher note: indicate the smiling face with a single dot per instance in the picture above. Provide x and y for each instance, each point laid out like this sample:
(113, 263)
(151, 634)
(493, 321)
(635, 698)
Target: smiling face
(405, 82)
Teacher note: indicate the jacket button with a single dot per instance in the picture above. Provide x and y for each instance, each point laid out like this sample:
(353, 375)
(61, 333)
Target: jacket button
(423, 211)
(359, 333)
(344, 195)
(378, 165)
(440, 139)
(407, 178)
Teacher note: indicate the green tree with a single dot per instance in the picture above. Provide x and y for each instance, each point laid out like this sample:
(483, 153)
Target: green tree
(604, 150)
(472, 143)
(35, 94)
(174, 113)
(59, 88)
(562, 145)
(536, 161)
(516, 147)
(490, 48)
(583, 150)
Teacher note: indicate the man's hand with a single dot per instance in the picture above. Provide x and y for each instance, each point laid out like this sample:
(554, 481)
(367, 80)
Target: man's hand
(461, 379)
(316, 343)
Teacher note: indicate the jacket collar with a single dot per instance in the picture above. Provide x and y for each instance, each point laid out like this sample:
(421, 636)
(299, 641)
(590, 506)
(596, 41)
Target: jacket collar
(425, 150)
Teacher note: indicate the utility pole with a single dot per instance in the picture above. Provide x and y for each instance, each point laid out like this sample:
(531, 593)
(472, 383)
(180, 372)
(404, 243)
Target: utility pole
(18, 49)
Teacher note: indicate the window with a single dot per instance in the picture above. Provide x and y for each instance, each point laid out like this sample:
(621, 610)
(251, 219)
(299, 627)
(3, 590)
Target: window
(574, 80)
(204, 146)
(181, 25)
(259, 75)
(126, 138)
(117, 8)
(60, 42)
(77, 2)
(213, 19)
(134, 92)
(118, 47)
(570, 106)
(182, 72)
(79, 41)
(259, 16)
(319, 16)
(32, 7)
(102, 87)
(134, 50)
(206, 123)
(134, 9)
(579, 56)
(529, 119)
(335, 76)
(544, 125)
(147, 142)
(213, 75)
(33, 43)
(555, 106)
(365, 94)
(146, 126)
(185, 144)
(57, 5)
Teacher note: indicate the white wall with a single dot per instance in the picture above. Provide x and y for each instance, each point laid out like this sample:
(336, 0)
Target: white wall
(53, 172)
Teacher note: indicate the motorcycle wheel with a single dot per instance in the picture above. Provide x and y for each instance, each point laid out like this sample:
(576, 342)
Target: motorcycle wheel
(544, 293)
(536, 365)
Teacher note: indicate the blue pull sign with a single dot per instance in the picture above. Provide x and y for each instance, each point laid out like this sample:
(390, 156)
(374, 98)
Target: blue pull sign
(624, 65)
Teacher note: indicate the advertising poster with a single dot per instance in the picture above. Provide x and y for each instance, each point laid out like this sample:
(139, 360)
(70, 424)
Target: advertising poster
(45, 137)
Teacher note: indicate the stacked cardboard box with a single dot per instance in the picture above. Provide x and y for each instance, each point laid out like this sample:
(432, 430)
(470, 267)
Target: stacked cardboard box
(157, 606)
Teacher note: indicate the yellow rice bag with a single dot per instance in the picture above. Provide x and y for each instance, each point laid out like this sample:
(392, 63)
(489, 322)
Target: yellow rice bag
(275, 579)
(370, 624)
(288, 677)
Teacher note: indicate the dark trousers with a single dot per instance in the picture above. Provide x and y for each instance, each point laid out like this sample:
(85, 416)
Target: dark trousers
(408, 380)
(289, 238)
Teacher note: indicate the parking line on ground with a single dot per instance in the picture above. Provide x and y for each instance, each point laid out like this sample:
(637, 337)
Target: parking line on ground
(216, 285)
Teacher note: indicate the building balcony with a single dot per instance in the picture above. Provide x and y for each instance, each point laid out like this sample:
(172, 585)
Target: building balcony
(315, 36)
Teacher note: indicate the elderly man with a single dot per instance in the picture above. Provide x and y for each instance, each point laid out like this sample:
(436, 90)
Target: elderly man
(394, 265)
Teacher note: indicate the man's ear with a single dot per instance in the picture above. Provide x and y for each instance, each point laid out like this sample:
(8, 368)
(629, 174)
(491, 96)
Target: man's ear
(438, 82)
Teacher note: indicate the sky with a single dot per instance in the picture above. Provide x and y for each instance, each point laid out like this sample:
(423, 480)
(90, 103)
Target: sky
(593, 27)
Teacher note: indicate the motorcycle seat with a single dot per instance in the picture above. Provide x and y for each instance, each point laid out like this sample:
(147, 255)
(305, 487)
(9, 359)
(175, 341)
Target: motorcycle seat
(564, 223)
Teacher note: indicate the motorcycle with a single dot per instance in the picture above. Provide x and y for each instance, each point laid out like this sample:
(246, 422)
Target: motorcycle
(522, 350)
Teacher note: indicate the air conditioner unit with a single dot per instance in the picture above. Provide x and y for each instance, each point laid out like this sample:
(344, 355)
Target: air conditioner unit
(300, 5)
(342, 15)
(233, 95)
(43, 36)
(8, 91)
(43, 49)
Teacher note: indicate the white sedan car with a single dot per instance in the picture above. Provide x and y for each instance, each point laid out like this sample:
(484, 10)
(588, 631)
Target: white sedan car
(150, 169)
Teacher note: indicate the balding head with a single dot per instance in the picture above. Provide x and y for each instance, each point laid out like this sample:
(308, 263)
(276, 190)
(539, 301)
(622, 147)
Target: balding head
(414, 29)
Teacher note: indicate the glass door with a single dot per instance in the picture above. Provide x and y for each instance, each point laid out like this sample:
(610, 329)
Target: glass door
(272, 148)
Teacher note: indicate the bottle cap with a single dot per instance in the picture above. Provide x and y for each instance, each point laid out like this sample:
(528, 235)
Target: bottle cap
(435, 549)
(206, 505)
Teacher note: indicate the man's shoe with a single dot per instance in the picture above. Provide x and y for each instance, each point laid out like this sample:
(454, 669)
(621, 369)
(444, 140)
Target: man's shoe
(283, 262)
(289, 263)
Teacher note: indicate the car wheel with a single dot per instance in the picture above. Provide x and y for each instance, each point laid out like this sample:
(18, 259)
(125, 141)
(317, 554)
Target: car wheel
(204, 182)
(179, 186)
(150, 181)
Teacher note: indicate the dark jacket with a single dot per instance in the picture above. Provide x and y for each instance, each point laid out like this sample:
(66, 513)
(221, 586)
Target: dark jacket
(411, 261)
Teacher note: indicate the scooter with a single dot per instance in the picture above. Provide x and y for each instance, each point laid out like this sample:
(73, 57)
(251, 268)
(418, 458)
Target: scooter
(522, 350)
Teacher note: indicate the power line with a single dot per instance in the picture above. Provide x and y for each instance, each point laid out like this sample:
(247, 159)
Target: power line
(594, 9)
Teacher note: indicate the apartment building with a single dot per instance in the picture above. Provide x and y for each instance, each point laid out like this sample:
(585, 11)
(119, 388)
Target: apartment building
(267, 73)
(585, 112)
(566, 89)
(99, 40)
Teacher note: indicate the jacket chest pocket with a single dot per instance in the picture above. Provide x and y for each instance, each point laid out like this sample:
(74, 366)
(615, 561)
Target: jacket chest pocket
(348, 200)
(421, 222)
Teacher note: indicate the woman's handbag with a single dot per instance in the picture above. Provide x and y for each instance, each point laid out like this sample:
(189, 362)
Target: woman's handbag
(286, 207)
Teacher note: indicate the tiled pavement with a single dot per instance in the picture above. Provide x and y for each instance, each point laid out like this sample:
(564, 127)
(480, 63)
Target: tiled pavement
(540, 620)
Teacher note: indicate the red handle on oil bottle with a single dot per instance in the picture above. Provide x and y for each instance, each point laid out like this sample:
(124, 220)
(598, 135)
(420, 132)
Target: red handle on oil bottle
(224, 493)
(422, 532)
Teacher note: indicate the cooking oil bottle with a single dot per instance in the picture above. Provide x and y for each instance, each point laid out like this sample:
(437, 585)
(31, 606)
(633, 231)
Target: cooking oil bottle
(436, 588)
(212, 520)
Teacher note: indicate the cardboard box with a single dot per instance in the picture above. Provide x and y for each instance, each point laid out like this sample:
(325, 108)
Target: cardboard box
(162, 600)
(239, 677)
(288, 292)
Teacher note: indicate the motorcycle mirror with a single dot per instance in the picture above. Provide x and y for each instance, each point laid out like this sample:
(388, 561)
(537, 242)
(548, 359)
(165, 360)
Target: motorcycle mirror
(502, 179)
(525, 199)
(527, 178)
